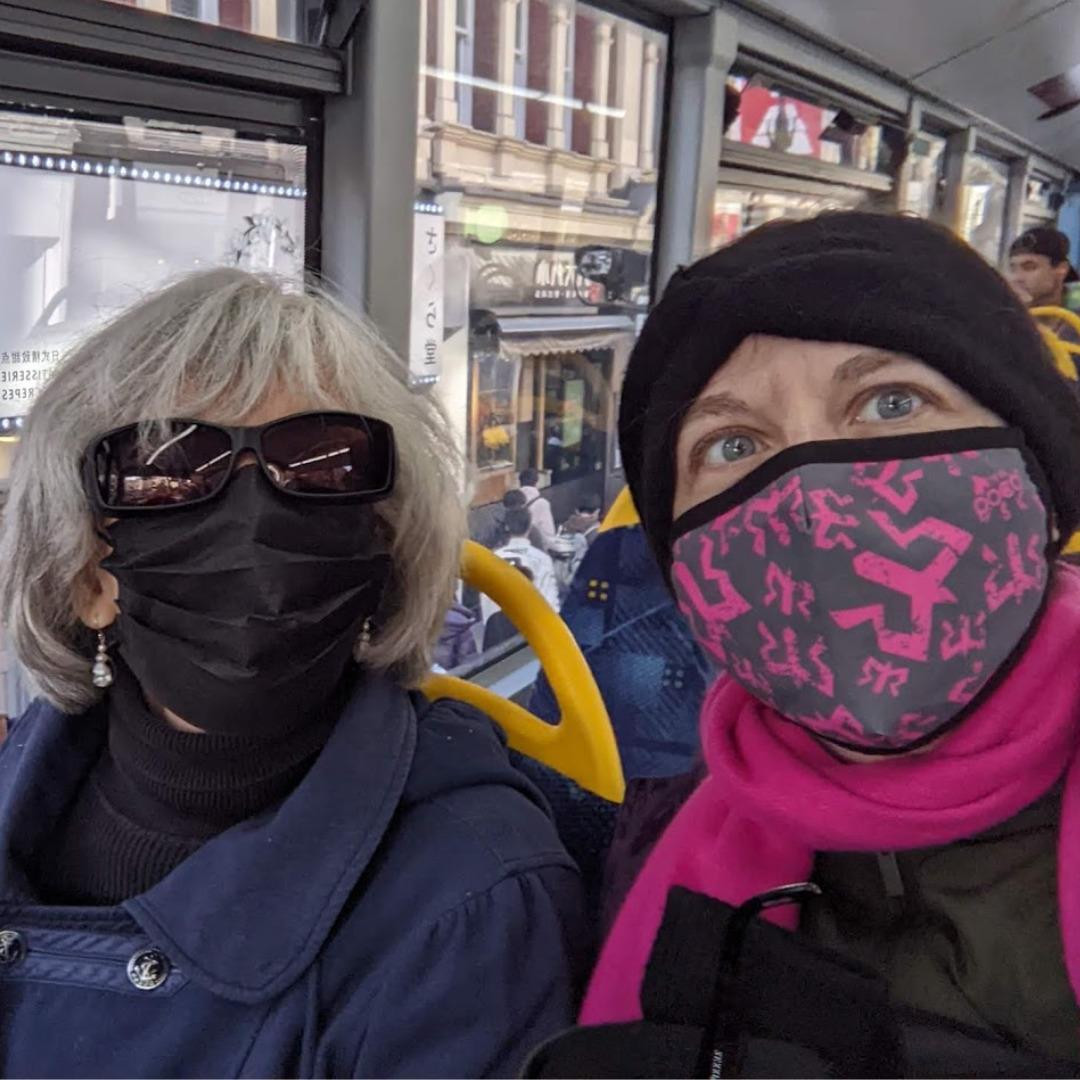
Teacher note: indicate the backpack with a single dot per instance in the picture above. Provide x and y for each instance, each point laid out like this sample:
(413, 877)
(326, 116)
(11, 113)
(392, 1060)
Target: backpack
(727, 994)
(567, 553)
(518, 563)
(535, 536)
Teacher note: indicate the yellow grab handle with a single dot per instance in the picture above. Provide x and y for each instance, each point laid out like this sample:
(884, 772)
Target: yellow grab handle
(1070, 318)
(1063, 361)
(1062, 314)
(582, 745)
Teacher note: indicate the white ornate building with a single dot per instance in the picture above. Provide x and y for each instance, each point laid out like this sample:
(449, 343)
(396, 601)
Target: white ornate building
(538, 134)
(553, 98)
(270, 18)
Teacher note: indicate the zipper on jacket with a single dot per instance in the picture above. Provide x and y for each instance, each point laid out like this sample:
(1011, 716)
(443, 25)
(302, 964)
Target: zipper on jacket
(892, 880)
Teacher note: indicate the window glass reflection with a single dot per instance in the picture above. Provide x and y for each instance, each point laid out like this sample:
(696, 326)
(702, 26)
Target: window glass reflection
(738, 210)
(982, 214)
(773, 117)
(924, 170)
(539, 133)
(288, 20)
(94, 214)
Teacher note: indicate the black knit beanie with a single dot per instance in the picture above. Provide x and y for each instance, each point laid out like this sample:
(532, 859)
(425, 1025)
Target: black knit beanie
(890, 282)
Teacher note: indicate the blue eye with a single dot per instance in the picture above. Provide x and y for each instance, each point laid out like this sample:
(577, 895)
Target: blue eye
(730, 449)
(896, 403)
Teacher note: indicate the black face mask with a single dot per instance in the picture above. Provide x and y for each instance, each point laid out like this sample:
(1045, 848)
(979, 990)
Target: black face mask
(241, 615)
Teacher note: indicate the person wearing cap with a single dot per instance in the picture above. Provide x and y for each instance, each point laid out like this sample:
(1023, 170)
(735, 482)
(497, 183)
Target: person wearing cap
(857, 497)
(1039, 270)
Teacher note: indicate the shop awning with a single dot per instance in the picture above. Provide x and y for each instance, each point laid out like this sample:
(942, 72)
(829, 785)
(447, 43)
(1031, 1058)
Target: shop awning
(532, 335)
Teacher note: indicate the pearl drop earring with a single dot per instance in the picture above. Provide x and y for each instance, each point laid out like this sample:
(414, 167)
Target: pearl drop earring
(102, 672)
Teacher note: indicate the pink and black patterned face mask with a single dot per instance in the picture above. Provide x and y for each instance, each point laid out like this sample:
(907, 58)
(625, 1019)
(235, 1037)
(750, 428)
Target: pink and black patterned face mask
(869, 590)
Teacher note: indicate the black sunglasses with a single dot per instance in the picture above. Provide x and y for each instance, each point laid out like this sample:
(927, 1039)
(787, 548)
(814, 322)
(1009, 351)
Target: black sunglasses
(322, 456)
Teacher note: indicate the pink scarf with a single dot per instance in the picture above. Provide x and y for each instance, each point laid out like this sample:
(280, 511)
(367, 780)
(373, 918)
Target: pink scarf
(774, 796)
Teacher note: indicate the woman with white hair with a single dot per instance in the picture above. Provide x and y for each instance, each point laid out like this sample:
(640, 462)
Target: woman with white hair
(233, 840)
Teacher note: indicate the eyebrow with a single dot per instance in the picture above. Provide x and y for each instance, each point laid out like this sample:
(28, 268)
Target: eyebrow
(862, 364)
(721, 405)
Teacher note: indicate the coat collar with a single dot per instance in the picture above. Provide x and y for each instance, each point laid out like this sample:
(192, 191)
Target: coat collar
(44, 759)
(247, 913)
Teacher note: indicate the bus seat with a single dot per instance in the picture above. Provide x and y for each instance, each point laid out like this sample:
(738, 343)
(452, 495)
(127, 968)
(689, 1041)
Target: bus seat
(581, 745)
(650, 671)
(621, 513)
(653, 678)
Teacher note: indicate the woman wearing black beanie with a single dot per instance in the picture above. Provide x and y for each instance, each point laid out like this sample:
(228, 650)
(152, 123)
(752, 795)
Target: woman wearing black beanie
(855, 465)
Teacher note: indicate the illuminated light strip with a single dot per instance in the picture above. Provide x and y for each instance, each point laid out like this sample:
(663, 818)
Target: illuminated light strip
(428, 208)
(47, 162)
(484, 84)
(525, 92)
(604, 110)
(11, 423)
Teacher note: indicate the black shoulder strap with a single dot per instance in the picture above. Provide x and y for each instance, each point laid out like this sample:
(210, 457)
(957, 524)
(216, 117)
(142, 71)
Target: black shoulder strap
(617, 1050)
(789, 991)
(802, 1011)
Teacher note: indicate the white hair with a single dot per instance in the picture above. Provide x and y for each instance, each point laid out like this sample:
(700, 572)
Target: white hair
(217, 344)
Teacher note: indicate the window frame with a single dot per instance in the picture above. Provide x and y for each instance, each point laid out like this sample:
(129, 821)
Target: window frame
(129, 40)
(464, 58)
(568, 74)
(521, 63)
(94, 54)
(987, 155)
(207, 12)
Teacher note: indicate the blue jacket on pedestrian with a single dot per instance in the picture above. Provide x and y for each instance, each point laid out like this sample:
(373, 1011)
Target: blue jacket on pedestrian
(407, 911)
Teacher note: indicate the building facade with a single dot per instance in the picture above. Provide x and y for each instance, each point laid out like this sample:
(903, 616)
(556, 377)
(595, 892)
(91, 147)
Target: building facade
(283, 19)
(538, 136)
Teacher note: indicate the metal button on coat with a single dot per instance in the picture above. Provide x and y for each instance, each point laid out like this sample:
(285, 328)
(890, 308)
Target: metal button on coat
(148, 969)
(12, 947)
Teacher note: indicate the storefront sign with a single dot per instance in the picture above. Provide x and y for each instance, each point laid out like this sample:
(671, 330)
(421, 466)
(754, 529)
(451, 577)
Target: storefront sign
(81, 246)
(428, 300)
(22, 373)
(529, 277)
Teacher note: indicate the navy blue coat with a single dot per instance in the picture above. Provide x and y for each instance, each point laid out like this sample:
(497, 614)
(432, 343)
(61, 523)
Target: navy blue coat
(408, 911)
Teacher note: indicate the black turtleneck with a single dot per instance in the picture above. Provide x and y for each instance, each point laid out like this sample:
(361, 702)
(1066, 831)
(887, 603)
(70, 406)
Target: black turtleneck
(157, 794)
